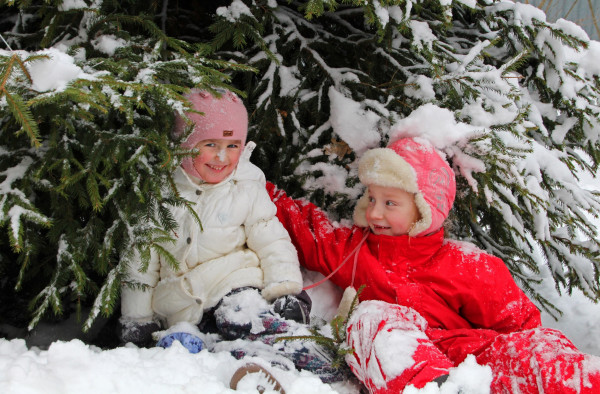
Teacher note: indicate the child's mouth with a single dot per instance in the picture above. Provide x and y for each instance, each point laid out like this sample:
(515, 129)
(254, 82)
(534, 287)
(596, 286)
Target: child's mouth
(216, 168)
(379, 228)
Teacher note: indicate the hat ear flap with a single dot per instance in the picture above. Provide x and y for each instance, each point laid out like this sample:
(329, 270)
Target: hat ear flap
(425, 221)
(360, 211)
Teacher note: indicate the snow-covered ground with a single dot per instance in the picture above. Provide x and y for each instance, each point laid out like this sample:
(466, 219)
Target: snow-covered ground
(73, 367)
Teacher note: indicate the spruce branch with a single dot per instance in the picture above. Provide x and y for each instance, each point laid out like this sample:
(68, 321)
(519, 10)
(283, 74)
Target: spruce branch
(17, 106)
(336, 342)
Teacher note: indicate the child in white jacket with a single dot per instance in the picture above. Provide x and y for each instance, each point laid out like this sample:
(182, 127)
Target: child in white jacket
(241, 250)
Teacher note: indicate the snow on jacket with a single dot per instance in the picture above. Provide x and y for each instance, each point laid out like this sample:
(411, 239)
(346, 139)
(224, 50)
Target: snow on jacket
(241, 243)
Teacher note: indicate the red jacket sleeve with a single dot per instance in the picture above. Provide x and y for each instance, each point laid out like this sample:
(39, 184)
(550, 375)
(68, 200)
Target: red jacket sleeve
(321, 246)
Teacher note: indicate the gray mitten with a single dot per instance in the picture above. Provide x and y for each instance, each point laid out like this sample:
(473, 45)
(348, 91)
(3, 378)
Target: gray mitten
(294, 307)
(139, 333)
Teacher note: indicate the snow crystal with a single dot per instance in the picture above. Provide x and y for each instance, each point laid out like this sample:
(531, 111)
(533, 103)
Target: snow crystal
(467, 378)
(550, 162)
(571, 29)
(420, 87)
(13, 174)
(467, 165)
(592, 131)
(396, 13)
(108, 44)
(67, 5)
(481, 117)
(466, 248)
(355, 125)
(245, 307)
(435, 124)
(590, 61)
(236, 10)
(289, 82)
(332, 181)
(405, 343)
(382, 13)
(524, 14)
(422, 34)
(561, 130)
(54, 73)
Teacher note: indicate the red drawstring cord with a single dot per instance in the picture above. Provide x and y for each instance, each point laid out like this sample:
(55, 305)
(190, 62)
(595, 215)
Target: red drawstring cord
(354, 252)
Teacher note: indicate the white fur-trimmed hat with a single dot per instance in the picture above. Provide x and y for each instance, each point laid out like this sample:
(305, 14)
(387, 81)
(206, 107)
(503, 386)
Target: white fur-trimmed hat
(413, 165)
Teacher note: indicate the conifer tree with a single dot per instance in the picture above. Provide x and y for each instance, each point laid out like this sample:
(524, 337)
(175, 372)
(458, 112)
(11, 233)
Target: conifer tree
(85, 169)
(522, 92)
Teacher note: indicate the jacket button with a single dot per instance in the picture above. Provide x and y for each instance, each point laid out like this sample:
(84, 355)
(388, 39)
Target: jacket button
(198, 192)
(189, 240)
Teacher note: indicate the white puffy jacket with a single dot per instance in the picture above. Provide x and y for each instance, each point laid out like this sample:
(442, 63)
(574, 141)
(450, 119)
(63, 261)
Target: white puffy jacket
(241, 243)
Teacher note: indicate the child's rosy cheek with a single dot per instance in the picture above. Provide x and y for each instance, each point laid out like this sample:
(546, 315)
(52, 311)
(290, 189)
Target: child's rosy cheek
(202, 156)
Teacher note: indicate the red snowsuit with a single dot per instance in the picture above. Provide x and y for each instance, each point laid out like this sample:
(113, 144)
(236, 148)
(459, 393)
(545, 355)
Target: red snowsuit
(467, 301)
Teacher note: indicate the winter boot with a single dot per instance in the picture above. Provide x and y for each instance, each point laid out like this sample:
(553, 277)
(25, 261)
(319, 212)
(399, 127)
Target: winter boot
(310, 356)
(254, 376)
(189, 341)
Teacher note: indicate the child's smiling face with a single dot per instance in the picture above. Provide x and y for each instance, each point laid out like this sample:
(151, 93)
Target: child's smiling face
(391, 211)
(217, 159)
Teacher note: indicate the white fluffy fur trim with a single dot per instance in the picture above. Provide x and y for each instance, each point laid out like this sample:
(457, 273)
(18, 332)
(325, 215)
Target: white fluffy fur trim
(425, 222)
(346, 302)
(276, 290)
(360, 211)
(384, 167)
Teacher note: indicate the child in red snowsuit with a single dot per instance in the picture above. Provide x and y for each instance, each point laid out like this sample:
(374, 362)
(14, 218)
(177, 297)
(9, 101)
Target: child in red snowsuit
(440, 299)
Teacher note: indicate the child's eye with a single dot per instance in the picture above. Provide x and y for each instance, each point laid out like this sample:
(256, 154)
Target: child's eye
(233, 146)
(210, 144)
(390, 203)
(371, 200)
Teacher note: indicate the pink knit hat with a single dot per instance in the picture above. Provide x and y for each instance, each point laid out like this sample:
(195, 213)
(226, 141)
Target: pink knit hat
(223, 118)
(411, 164)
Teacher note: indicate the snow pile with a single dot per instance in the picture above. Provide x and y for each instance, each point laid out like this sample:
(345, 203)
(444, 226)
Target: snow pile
(74, 367)
(468, 377)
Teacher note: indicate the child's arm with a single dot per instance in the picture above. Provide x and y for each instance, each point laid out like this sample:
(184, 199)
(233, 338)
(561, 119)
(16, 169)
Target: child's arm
(136, 294)
(321, 246)
(137, 323)
(270, 241)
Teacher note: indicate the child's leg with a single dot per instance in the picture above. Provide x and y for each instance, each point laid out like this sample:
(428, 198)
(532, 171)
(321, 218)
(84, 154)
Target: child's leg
(542, 360)
(391, 349)
(244, 312)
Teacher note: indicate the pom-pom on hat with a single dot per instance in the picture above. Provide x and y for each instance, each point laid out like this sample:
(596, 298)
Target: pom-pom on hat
(413, 165)
(223, 117)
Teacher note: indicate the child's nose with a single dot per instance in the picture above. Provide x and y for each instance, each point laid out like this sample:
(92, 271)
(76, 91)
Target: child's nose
(376, 211)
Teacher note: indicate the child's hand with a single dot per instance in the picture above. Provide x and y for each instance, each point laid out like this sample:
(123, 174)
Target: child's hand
(137, 332)
(294, 307)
